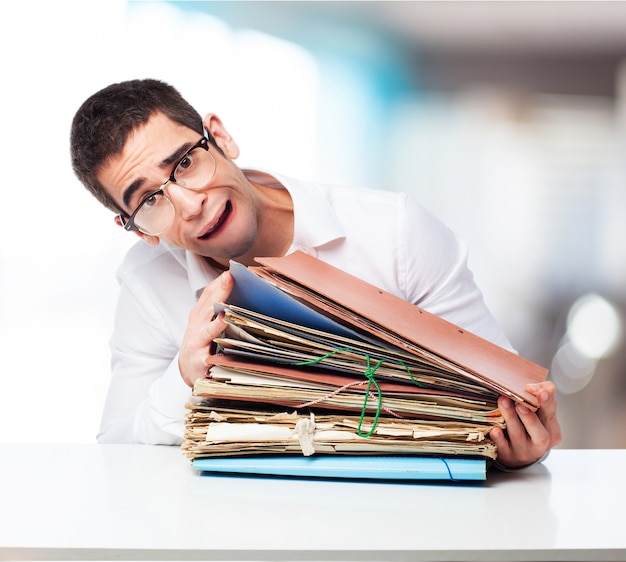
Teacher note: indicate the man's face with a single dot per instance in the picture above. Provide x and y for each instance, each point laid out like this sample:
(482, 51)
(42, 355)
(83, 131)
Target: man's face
(218, 220)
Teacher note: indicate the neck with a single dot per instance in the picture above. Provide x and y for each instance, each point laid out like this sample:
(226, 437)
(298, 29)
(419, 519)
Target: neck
(217, 264)
(275, 221)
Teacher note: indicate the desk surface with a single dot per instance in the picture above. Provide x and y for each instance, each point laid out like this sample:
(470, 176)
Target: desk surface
(126, 502)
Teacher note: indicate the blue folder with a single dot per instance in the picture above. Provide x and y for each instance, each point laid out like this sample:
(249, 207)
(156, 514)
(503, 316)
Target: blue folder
(351, 467)
(254, 293)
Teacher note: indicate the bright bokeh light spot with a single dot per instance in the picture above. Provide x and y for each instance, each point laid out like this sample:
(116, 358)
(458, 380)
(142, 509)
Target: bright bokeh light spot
(594, 326)
(571, 370)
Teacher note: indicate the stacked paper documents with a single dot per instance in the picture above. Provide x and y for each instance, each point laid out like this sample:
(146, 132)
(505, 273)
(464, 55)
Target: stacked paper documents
(317, 362)
(220, 431)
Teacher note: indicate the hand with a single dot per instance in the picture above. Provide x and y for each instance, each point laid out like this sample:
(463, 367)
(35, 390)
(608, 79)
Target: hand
(202, 328)
(529, 435)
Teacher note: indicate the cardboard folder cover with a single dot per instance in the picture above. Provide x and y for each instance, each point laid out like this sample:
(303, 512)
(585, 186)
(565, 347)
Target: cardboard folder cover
(365, 307)
(364, 467)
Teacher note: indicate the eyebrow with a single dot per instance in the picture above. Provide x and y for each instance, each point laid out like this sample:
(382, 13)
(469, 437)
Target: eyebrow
(165, 163)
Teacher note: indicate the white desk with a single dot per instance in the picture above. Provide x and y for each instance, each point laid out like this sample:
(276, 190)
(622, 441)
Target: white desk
(99, 502)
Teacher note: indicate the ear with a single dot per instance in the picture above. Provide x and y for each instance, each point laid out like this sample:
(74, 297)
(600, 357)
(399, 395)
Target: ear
(148, 239)
(213, 124)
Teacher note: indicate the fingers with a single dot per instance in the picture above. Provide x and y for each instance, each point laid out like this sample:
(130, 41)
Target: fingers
(529, 435)
(202, 328)
(546, 396)
(514, 445)
(217, 291)
(202, 314)
(525, 441)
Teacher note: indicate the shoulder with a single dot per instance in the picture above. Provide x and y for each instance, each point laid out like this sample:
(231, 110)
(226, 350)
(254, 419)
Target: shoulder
(155, 290)
(357, 205)
(150, 262)
(336, 192)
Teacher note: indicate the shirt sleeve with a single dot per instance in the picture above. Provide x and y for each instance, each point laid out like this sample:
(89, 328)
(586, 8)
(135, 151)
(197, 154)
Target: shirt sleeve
(432, 263)
(147, 395)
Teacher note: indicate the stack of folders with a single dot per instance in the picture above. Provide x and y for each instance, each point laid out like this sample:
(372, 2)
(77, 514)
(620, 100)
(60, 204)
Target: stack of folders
(316, 364)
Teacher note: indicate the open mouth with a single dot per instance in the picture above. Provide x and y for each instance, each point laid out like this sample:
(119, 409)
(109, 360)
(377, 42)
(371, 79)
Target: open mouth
(220, 222)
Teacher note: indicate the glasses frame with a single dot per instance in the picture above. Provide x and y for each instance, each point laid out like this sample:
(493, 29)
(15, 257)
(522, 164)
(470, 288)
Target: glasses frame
(128, 221)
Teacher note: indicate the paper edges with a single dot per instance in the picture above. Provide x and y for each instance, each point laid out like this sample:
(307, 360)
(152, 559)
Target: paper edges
(304, 433)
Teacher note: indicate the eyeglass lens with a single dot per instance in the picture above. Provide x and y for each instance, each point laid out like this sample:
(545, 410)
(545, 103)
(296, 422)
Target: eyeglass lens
(194, 171)
(155, 214)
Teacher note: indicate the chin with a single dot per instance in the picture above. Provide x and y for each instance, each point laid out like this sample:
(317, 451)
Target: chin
(230, 252)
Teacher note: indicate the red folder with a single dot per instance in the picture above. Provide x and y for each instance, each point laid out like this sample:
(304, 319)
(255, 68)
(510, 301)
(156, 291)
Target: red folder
(366, 308)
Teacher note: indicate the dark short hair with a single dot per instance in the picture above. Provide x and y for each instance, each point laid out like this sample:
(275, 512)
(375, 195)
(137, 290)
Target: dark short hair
(105, 120)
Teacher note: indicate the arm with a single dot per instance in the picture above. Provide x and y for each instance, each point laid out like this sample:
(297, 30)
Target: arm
(146, 395)
(154, 336)
(434, 274)
(451, 292)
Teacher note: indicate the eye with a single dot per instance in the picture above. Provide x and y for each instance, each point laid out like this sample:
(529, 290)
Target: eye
(184, 165)
(151, 200)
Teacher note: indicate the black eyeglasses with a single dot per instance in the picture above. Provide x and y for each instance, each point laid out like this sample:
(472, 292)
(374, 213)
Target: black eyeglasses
(155, 214)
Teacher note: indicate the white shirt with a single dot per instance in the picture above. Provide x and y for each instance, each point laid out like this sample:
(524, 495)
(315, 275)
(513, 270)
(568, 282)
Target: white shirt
(382, 237)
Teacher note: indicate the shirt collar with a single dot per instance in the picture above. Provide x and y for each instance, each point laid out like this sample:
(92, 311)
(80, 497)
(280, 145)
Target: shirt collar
(315, 220)
(315, 224)
(199, 272)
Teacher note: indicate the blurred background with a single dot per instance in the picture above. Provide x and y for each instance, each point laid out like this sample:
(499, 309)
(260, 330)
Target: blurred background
(505, 119)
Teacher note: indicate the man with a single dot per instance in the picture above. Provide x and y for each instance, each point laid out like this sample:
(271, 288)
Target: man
(170, 176)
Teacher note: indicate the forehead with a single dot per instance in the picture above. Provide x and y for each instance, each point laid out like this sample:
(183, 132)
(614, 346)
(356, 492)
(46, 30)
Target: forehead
(145, 158)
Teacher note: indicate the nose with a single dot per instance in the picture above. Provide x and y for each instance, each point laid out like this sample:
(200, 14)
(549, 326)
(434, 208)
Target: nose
(186, 201)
